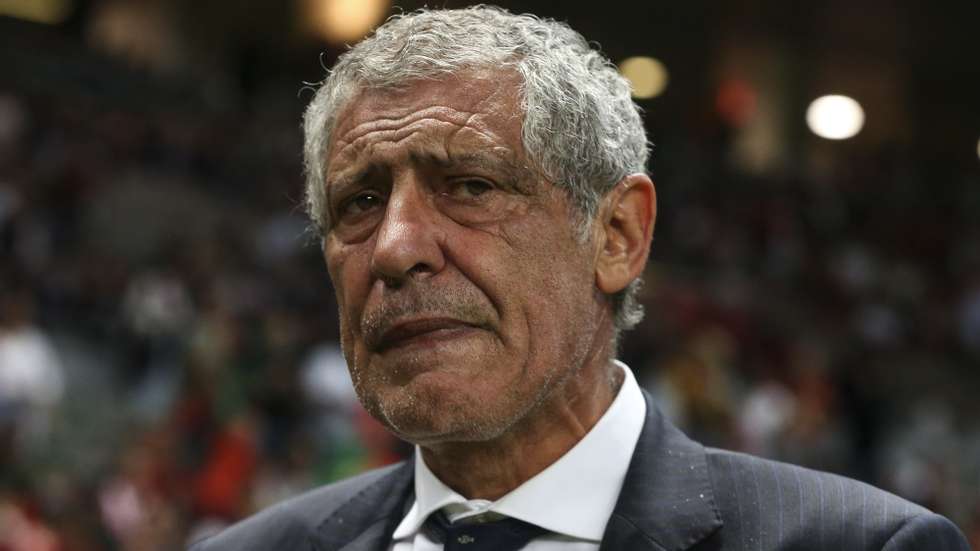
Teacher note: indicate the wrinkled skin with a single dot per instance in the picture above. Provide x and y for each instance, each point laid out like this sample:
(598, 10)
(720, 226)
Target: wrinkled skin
(470, 314)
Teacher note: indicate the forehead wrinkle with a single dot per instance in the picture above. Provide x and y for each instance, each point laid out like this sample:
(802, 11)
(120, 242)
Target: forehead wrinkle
(500, 143)
(419, 153)
(387, 137)
(367, 156)
(437, 112)
(387, 132)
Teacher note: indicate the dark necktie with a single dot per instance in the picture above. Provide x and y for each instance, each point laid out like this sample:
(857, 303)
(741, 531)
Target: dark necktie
(508, 534)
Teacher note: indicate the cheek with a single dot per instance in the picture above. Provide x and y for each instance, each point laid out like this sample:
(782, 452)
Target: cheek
(562, 274)
(351, 289)
(351, 280)
(548, 255)
(543, 278)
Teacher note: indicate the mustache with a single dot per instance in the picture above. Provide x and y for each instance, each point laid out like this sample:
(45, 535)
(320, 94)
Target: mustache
(460, 304)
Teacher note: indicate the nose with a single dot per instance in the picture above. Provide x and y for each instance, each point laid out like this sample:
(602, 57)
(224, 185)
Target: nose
(408, 242)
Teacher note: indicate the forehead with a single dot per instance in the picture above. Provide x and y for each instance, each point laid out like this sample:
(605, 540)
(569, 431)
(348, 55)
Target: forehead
(470, 109)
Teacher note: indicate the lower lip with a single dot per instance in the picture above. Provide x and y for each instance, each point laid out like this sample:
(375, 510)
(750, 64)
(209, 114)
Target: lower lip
(431, 339)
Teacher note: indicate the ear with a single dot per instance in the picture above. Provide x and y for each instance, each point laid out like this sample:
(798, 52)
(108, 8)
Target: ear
(627, 218)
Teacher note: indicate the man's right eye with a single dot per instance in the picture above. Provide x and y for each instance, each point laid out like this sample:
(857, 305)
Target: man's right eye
(359, 204)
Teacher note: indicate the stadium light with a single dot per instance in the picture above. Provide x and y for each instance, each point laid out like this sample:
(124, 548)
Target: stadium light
(835, 117)
(50, 12)
(647, 76)
(346, 20)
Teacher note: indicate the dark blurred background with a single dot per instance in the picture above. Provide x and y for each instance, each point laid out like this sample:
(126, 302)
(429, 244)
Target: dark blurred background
(168, 353)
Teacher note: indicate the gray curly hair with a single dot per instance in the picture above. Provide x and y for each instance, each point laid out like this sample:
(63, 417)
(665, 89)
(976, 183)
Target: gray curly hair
(581, 129)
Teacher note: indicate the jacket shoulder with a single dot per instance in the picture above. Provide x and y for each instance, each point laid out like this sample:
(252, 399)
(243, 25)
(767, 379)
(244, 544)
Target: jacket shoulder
(927, 531)
(768, 505)
(289, 525)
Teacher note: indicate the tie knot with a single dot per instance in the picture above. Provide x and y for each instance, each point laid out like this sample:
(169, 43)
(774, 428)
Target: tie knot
(507, 534)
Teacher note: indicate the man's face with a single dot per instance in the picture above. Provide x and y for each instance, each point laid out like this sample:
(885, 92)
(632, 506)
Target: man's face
(464, 296)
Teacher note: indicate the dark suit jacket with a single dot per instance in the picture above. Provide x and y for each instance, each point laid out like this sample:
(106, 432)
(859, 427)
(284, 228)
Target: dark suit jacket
(677, 495)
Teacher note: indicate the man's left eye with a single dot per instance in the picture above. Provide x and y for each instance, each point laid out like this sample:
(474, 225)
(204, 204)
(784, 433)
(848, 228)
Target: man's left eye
(470, 188)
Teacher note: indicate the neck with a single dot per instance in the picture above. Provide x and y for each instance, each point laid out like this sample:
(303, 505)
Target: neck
(490, 469)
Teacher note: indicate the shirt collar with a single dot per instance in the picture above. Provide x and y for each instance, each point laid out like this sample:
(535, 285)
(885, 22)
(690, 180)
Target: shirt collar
(573, 496)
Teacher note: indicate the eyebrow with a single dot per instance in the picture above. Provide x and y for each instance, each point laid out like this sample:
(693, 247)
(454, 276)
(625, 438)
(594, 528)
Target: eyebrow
(341, 182)
(515, 176)
(480, 160)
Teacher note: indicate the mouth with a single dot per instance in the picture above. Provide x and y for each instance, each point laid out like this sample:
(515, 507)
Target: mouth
(422, 333)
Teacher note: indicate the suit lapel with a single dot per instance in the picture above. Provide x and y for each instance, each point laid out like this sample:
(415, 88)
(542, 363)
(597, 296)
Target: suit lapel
(368, 519)
(667, 502)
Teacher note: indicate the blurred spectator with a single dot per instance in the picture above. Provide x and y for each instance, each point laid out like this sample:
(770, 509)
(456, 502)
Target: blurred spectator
(20, 532)
(31, 376)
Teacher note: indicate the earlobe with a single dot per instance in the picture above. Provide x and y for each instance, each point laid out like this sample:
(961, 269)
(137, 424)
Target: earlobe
(627, 231)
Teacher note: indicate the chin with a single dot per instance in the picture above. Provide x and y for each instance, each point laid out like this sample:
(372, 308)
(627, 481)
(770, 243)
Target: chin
(423, 413)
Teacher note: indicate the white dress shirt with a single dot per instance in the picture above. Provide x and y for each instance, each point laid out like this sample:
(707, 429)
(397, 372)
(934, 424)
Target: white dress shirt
(572, 498)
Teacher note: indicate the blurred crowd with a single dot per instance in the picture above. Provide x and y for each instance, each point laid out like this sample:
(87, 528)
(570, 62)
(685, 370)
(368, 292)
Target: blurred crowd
(168, 336)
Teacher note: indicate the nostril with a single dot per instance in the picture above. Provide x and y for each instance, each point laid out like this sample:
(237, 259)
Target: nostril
(391, 282)
(419, 269)
(395, 281)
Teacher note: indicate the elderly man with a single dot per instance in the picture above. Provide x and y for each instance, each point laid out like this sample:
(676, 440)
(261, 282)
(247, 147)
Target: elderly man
(478, 181)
